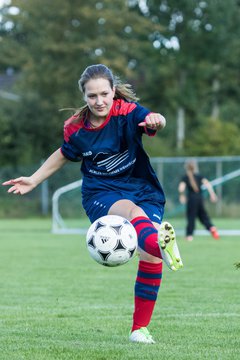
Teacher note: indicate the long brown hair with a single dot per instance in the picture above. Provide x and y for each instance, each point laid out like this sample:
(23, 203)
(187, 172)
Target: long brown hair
(100, 71)
(191, 169)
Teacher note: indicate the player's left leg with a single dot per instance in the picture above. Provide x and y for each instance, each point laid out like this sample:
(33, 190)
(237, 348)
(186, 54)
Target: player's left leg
(147, 285)
(205, 220)
(152, 244)
(191, 215)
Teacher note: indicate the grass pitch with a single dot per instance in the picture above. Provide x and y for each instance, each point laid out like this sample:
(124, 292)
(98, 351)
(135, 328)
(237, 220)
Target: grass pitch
(57, 303)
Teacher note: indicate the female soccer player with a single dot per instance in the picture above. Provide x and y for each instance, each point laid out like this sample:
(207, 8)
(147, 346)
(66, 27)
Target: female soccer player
(190, 193)
(106, 136)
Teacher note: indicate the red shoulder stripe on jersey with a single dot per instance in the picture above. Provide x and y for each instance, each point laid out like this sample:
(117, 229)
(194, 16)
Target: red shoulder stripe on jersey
(71, 125)
(122, 107)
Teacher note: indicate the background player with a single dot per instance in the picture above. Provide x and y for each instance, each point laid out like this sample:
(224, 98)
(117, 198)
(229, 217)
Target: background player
(190, 193)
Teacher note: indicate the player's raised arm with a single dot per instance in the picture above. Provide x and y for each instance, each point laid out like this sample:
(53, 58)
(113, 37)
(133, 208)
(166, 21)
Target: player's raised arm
(208, 186)
(23, 184)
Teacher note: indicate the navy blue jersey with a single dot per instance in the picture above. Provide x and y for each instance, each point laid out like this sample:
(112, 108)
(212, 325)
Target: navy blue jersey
(112, 152)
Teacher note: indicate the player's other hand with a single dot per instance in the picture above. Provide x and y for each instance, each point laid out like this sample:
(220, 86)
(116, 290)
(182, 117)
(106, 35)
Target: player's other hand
(21, 185)
(213, 198)
(154, 121)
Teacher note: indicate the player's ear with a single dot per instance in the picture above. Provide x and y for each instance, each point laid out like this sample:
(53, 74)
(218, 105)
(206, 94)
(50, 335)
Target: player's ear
(114, 90)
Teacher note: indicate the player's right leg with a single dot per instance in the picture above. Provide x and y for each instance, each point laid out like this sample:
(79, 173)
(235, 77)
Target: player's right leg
(168, 246)
(158, 240)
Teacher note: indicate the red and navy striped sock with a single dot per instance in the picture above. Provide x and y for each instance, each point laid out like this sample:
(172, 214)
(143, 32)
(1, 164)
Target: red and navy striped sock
(147, 284)
(147, 235)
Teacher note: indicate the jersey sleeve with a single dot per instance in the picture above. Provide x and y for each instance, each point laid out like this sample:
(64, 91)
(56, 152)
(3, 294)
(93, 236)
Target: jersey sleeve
(68, 149)
(139, 116)
(70, 152)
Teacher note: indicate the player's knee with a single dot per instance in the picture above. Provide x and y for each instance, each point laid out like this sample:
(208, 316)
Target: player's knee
(127, 209)
(135, 211)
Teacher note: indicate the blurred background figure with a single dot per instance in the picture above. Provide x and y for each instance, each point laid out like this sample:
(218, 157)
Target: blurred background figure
(191, 194)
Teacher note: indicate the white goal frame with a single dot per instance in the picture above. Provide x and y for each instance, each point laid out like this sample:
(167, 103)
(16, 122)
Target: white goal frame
(59, 226)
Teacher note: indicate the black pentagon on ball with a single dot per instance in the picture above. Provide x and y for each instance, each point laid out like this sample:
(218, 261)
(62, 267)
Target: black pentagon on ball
(91, 242)
(99, 225)
(132, 251)
(104, 255)
(116, 228)
(119, 246)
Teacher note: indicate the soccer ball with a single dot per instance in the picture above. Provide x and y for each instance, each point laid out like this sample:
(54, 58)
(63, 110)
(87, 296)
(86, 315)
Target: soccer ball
(111, 240)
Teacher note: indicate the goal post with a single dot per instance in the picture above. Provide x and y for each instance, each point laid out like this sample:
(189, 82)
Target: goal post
(68, 215)
(58, 224)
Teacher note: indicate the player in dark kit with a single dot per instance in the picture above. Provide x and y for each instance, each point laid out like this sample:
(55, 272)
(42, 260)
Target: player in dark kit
(106, 136)
(191, 194)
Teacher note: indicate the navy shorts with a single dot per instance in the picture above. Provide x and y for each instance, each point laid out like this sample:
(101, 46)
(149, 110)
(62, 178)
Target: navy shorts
(143, 195)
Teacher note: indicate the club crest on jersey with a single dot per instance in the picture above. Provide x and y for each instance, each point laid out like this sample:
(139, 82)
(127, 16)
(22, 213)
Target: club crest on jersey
(87, 153)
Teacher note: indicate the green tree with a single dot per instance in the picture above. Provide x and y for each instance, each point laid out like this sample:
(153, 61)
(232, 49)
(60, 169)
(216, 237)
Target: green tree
(181, 56)
(214, 134)
(58, 40)
(201, 78)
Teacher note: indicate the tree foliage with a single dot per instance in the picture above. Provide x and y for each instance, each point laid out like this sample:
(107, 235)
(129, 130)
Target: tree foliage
(175, 53)
(214, 134)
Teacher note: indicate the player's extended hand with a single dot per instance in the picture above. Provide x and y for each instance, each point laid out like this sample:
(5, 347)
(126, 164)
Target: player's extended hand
(154, 121)
(213, 198)
(21, 185)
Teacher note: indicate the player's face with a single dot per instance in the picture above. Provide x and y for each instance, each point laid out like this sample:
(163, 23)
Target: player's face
(99, 97)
